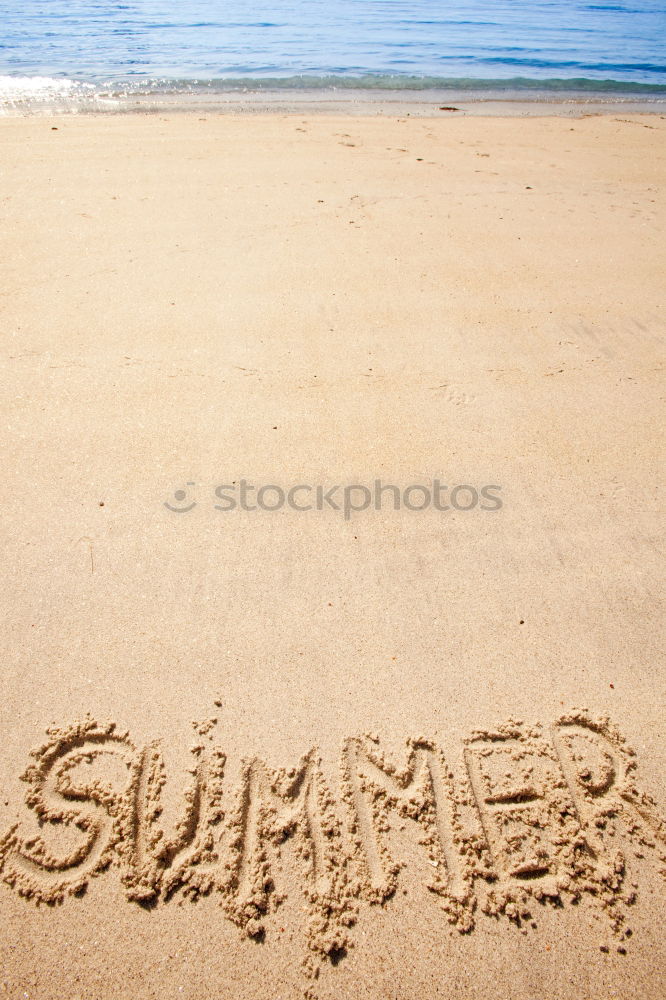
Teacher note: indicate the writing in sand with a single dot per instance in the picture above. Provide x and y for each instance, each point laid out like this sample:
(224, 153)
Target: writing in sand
(534, 815)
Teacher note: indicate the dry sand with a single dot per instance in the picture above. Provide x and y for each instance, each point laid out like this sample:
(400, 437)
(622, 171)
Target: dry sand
(293, 754)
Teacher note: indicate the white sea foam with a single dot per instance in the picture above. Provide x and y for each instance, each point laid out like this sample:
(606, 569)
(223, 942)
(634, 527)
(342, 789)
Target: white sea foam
(40, 88)
(44, 95)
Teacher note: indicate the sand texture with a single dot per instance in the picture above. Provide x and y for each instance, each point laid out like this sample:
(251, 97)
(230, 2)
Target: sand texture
(350, 750)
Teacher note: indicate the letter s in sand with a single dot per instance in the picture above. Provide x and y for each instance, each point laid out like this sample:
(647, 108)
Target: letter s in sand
(81, 790)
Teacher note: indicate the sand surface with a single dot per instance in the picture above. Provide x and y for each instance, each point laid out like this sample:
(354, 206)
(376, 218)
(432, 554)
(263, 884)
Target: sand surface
(294, 753)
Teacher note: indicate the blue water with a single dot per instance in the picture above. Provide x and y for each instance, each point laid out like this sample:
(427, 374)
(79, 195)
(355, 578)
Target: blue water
(408, 43)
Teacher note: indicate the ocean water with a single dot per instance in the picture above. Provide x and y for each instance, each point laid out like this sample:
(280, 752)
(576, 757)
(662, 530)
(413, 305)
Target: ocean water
(68, 47)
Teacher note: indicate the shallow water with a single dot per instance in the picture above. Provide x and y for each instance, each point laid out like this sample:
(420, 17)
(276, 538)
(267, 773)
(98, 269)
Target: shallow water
(367, 43)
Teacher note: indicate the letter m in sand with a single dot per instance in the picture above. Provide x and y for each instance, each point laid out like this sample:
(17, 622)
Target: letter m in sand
(374, 789)
(280, 813)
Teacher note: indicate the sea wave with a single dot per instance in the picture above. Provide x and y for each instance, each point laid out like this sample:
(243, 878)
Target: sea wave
(378, 81)
(36, 88)
(39, 93)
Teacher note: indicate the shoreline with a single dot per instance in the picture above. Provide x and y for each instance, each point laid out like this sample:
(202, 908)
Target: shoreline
(355, 103)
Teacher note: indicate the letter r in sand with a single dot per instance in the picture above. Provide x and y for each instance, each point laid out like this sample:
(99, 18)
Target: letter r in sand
(599, 769)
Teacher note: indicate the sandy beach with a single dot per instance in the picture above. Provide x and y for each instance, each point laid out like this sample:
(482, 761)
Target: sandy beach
(340, 751)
